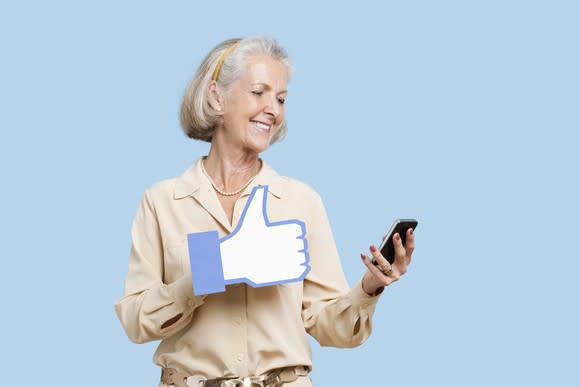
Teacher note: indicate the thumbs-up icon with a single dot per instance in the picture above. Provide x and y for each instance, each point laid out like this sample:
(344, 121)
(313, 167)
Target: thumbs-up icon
(258, 252)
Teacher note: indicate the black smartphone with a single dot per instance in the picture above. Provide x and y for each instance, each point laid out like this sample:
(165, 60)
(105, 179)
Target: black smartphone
(400, 226)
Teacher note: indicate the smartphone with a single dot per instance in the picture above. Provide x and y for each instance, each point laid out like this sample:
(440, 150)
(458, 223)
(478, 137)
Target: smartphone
(400, 226)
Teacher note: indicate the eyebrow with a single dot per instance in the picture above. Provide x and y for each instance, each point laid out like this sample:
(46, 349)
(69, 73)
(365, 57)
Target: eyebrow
(268, 86)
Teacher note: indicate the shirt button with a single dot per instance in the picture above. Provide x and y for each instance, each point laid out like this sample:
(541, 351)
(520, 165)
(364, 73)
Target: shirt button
(240, 357)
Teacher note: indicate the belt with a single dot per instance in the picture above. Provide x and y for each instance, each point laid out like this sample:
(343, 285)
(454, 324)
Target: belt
(274, 378)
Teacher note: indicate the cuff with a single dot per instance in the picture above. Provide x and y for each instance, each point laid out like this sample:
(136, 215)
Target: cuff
(183, 295)
(359, 297)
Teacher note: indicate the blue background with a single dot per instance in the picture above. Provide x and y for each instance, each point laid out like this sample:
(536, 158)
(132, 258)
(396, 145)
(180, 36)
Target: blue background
(463, 114)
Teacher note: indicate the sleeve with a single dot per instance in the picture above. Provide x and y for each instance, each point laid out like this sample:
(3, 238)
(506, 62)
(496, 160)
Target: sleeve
(332, 313)
(150, 309)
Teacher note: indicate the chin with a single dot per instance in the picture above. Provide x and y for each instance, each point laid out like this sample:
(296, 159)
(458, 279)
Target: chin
(259, 145)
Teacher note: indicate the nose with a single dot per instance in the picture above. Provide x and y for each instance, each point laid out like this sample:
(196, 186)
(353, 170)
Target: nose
(272, 109)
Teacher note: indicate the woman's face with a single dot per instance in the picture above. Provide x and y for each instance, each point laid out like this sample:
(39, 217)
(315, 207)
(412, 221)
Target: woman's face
(254, 106)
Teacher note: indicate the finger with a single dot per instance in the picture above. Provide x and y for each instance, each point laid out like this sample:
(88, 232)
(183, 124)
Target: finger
(379, 260)
(254, 214)
(373, 269)
(381, 277)
(410, 244)
(400, 253)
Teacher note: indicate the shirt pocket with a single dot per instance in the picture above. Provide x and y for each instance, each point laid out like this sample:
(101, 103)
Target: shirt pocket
(175, 260)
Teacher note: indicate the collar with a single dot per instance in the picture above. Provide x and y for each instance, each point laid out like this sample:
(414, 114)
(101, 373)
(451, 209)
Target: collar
(193, 179)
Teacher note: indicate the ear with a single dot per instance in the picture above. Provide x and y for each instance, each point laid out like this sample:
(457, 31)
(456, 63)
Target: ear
(214, 97)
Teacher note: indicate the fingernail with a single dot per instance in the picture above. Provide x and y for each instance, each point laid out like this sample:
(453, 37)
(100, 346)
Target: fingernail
(373, 248)
(362, 256)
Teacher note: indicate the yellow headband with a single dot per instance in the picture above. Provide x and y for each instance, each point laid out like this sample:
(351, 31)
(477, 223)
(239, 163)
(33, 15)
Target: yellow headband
(221, 60)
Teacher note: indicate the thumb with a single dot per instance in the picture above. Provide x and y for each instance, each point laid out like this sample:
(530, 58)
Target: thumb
(254, 214)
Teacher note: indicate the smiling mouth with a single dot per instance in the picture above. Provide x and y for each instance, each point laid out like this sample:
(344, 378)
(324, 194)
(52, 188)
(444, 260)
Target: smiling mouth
(261, 126)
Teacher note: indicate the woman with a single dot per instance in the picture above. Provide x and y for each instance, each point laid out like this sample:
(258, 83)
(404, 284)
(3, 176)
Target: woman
(244, 335)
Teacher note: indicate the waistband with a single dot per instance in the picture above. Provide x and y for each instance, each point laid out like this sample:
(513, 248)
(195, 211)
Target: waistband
(273, 378)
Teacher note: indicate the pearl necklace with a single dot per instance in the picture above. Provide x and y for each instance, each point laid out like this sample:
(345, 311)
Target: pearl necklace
(224, 193)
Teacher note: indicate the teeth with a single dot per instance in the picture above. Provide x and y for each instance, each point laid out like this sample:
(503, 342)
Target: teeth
(262, 126)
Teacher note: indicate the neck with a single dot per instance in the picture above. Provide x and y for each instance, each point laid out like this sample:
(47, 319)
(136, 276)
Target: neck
(231, 169)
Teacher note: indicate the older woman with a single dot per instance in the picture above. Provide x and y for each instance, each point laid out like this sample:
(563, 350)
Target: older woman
(247, 334)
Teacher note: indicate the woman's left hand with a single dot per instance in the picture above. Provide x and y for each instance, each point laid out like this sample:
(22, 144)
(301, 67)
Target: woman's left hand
(383, 273)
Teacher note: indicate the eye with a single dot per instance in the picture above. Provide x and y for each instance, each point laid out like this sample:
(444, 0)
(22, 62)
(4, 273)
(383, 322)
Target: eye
(281, 101)
(257, 92)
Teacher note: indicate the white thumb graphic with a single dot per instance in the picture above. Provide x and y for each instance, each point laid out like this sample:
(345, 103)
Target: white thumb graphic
(254, 215)
(262, 253)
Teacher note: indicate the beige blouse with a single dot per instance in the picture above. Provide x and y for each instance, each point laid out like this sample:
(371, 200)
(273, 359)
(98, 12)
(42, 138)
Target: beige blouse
(243, 331)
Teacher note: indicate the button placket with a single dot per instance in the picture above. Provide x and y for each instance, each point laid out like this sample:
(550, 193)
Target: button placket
(239, 325)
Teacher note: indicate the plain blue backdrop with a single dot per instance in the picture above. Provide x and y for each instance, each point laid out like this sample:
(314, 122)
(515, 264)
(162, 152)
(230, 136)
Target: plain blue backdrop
(463, 114)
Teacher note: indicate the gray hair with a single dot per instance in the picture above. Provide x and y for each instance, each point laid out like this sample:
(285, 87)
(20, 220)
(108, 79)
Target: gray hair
(198, 119)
